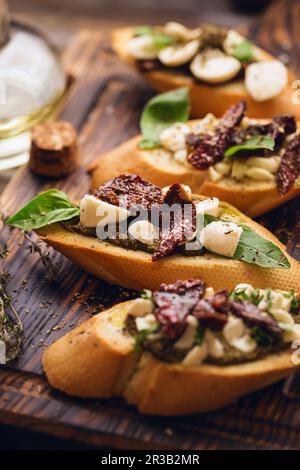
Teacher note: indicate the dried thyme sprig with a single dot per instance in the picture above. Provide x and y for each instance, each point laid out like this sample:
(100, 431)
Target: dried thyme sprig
(11, 327)
(35, 246)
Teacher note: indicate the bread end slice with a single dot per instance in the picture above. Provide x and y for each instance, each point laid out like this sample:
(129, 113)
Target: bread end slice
(93, 360)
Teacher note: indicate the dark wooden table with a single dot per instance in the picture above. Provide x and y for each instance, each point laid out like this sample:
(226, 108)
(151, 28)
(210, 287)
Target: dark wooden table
(60, 21)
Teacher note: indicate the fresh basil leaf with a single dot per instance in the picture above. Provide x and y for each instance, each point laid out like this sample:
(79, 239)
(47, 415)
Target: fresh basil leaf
(241, 294)
(253, 143)
(143, 30)
(162, 111)
(148, 144)
(255, 249)
(160, 39)
(199, 338)
(244, 51)
(47, 208)
(252, 247)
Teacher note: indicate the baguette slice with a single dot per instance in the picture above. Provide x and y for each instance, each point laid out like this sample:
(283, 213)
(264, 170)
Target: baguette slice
(97, 360)
(253, 198)
(136, 270)
(210, 98)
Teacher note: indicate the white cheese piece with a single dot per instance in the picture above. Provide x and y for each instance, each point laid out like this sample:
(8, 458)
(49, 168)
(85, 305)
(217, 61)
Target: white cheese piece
(140, 307)
(221, 237)
(243, 286)
(270, 163)
(213, 66)
(213, 174)
(245, 344)
(181, 155)
(238, 169)
(209, 292)
(209, 206)
(223, 168)
(276, 299)
(143, 231)
(187, 339)
(144, 323)
(233, 329)
(196, 356)
(266, 79)
(214, 345)
(206, 124)
(273, 301)
(290, 332)
(174, 56)
(173, 137)
(180, 32)
(142, 47)
(97, 213)
(283, 317)
(259, 174)
(232, 40)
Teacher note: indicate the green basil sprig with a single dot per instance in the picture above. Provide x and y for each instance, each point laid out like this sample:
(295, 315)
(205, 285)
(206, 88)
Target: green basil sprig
(47, 208)
(244, 51)
(257, 142)
(252, 247)
(255, 249)
(162, 111)
(160, 39)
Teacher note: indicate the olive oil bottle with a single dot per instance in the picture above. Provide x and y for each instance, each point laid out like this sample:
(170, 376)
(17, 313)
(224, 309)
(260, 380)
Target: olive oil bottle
(32, 82)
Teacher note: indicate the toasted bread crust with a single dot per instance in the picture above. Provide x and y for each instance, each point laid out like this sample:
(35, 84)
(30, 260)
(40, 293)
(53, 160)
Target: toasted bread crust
(93, 360)
(210, 98)
(128, 158)
(170, 389)
(97, 360)
(136, 270)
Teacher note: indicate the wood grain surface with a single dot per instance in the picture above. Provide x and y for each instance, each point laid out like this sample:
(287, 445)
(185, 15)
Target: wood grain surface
(104, 103)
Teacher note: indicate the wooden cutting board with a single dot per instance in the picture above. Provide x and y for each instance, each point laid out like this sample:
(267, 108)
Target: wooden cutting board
(104, 103)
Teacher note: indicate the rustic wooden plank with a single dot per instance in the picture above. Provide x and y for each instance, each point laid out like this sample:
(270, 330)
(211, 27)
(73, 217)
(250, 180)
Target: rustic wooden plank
(104, 103)
(29, 400)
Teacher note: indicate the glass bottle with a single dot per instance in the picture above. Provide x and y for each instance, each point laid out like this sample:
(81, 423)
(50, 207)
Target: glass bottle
(32, 82)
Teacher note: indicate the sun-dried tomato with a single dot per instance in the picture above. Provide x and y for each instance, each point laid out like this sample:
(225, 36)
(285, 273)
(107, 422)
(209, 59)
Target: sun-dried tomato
(278, 129)
(129, 191)
(289, 167)
(174, 302)
(252, 316)
(178, 217)
(213, 312)
(212, 147)
(192, 140)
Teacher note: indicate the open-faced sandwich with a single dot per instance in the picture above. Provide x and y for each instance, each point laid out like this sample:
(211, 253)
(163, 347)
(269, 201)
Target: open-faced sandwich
(219, 66)
(253, 164)
(181, 349)
(132, 233)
